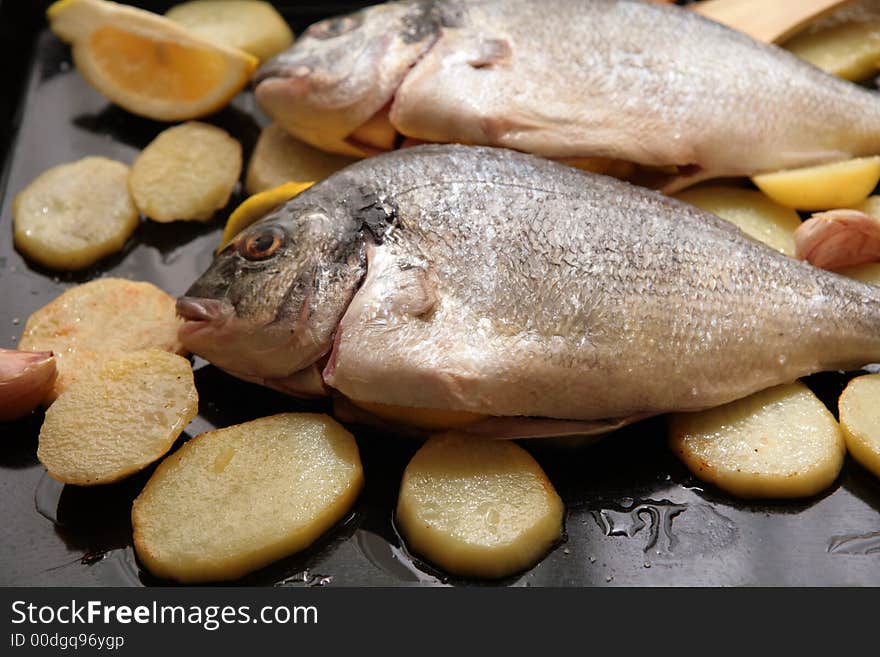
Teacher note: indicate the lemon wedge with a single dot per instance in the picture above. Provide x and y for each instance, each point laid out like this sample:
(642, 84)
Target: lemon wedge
(255, 207)
(147, 63)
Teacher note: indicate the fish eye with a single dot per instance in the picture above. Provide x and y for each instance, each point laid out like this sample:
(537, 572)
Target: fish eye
(333, 27)
(261, 245)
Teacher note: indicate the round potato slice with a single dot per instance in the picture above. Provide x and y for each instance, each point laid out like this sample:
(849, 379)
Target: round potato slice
(824, 187)
(118, 420)
(249, 25)
(478, 507)
(92, 322)
(74, 214)
(859, 408)
(778, 443)
(233, 500)
(186, 173)
(279, 158)
(755, 214)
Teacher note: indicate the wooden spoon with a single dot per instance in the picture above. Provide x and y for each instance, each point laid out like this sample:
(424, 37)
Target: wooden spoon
(766, 21)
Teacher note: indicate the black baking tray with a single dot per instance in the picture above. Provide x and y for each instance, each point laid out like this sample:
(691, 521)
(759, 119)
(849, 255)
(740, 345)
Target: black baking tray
(634, 515)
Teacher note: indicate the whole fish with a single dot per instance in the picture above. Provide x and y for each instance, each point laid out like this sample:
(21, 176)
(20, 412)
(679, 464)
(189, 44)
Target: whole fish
(499, 283)
(653, 84)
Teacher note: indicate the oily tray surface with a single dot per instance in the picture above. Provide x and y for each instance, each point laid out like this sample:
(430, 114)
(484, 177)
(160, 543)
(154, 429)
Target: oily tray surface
(634, 515)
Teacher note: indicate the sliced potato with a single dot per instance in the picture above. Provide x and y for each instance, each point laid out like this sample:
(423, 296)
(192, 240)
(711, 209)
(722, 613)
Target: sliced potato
(478, 507)
(72, 215)
(859, 408)
(257, 206)
(126, 414)
(233, 500)
(432, 419)
(778, 443)
(869, 273)
(279, 158)
(751, 211)
(92, 322)
(25, 379)
(849, 50)
(186, 173)
(249, 25)
(823, 187)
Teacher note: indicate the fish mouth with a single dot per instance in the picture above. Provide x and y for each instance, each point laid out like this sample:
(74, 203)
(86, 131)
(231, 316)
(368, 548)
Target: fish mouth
(197, 309)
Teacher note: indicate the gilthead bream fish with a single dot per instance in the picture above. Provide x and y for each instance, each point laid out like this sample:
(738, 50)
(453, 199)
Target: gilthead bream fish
(652, 84)
(502, 284)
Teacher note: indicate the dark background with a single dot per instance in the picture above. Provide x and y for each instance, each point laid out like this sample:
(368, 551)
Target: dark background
(634, 515)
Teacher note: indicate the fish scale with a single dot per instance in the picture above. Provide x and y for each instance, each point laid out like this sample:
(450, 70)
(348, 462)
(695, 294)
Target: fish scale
(508, 285)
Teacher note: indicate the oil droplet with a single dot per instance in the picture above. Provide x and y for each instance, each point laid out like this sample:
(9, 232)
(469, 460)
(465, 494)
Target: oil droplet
(566, 551)
(647, 564)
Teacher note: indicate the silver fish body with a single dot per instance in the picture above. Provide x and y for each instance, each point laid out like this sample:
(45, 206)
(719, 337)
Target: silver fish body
(652, 84)
(491, 281)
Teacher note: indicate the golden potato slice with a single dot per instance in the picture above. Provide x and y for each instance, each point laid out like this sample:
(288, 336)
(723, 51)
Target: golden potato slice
(233, 500)
(257, 206)
(751, 211)
(778, 443)
(478, 507)
(72, 215)
(248, 25)
(126, 414)
(279, 158)
(26, 378)
(92, 322)
(186, 173)
(850, 50)
(869, 273)
(823, 187)
(859, 408)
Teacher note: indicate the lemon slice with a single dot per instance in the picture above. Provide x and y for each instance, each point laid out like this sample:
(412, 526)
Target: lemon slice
(147, 63)
(255, 207)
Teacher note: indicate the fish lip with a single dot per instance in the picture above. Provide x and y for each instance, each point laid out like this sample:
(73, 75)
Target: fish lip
(198, 309)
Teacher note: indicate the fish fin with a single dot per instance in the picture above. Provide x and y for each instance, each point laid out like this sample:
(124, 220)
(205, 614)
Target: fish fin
(501, 428)
(538, 427)
(416, 293)
(670, 183)
(491, 52)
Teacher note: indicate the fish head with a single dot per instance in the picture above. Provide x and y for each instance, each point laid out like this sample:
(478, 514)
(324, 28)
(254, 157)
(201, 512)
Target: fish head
(344, 70)
(269, 304)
